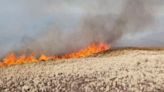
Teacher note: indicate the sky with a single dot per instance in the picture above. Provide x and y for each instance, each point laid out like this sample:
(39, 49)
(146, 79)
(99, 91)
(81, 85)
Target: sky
(21, 19)
(27, 18)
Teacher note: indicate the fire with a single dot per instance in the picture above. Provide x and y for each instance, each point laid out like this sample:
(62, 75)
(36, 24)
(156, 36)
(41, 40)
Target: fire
(12, 59)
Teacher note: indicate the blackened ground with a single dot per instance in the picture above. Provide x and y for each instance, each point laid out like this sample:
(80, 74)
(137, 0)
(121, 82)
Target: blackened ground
(124, 70)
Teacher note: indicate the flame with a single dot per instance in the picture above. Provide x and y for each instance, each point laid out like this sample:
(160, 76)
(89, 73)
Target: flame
(12, 59)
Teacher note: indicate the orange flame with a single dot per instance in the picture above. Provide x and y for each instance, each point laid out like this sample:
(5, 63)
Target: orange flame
(12, 59)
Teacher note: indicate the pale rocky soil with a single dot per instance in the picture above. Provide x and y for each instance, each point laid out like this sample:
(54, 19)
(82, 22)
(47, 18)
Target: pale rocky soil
(126, 70)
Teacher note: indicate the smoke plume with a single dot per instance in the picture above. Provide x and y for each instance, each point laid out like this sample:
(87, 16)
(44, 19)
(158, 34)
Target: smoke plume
(62, 26)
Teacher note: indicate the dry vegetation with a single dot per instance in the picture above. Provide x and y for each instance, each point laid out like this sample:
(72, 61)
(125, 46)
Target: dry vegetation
(124, 70)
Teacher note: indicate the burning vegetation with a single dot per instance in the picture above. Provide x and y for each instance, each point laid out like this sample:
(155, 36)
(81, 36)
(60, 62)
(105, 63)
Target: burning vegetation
(13, 59)
(101, 26)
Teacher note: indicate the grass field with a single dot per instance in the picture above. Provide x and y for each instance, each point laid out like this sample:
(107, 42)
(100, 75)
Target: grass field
(123, 70)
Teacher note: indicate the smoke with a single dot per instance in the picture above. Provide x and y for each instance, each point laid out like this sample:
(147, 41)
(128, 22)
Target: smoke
(61, 26)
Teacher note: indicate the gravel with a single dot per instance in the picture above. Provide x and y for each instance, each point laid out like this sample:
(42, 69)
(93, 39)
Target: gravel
(117, 71)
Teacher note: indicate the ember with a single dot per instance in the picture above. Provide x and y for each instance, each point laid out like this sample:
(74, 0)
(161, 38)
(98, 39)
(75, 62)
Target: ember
(12, 59)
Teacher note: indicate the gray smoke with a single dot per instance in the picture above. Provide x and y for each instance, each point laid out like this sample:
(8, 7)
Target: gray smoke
(62, 26)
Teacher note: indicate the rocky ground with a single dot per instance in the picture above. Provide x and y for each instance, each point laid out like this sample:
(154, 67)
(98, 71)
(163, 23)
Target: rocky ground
(124, 70)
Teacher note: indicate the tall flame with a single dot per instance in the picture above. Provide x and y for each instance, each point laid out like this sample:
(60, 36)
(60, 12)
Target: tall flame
(12, 59)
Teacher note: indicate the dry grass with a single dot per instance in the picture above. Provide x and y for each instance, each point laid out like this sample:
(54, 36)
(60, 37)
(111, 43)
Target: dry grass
(125, 70)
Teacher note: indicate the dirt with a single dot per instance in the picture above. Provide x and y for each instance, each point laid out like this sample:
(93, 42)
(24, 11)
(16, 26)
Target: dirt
(124, 70)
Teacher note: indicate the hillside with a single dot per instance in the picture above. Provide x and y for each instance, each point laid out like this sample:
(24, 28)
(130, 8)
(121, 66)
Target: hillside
(123, 70)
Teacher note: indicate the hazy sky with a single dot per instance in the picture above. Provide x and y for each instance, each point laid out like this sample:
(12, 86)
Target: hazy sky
(27, 18)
